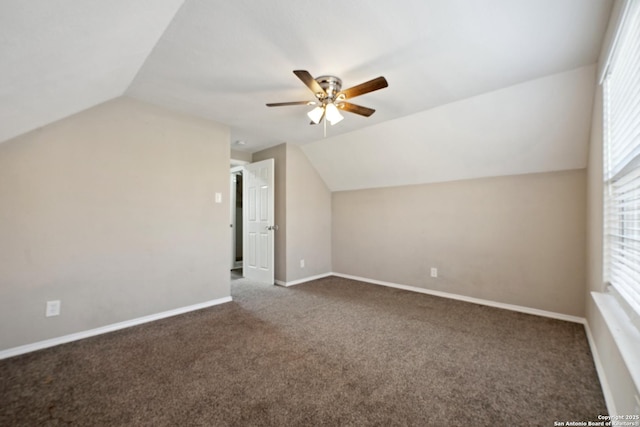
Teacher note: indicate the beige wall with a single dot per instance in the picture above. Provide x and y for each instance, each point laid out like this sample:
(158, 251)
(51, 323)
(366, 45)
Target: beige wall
(112, 212)
(303, 213)
(595, 196)
(517, 239)
(241, 155)
(308, 218)
(617, 376)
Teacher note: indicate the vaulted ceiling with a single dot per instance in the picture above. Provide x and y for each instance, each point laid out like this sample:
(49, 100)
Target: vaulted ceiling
(59, 57)
(223, 60)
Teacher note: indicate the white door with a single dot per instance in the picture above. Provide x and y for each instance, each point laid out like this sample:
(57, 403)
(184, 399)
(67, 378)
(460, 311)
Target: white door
(258, 218)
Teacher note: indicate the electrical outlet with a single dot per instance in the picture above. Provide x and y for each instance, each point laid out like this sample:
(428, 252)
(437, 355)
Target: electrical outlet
(53, 308)
(302, 263)
(434, 272)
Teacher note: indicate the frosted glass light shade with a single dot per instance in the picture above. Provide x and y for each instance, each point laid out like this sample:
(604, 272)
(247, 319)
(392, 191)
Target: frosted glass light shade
(316, 114)
(333, 115)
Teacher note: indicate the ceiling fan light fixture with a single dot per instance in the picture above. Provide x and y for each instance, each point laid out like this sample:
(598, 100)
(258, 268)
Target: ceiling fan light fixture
(316, 114)
(331, 98)
(333, 115)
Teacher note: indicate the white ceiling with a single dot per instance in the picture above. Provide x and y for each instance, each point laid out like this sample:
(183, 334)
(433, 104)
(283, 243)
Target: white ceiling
(223, 60)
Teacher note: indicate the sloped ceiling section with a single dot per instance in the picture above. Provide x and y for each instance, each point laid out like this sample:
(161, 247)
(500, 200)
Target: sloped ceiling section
(59, 57)
(224, 60)
(539, 126)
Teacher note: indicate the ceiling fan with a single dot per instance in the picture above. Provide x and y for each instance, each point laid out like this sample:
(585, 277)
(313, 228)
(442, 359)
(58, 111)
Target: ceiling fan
(330, 98)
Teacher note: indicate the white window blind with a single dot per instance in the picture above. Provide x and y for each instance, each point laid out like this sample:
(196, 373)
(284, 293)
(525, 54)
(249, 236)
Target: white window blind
(622, 162)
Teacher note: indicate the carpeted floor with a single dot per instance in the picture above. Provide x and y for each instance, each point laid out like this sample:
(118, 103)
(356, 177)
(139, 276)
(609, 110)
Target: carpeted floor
(330, 352)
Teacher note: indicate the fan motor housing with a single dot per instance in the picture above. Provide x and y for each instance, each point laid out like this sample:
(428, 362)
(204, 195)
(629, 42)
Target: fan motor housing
(331, 85)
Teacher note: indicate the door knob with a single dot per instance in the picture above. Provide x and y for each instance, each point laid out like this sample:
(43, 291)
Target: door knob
(272, 227)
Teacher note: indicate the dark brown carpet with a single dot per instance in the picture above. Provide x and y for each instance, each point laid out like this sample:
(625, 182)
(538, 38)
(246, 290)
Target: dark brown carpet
(330, 352)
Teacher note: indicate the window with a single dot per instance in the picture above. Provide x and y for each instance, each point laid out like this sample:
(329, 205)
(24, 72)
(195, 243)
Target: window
(622, 163)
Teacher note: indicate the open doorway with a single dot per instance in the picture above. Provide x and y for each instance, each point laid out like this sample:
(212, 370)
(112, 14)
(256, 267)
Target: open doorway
(236, 223)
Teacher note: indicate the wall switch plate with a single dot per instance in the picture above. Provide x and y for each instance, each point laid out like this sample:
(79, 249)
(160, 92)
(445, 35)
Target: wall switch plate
(434, 272)
(53, 308)
(218, 197)
(302, 263)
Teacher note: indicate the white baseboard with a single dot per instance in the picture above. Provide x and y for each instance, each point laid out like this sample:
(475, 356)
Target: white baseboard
(512, 307)
(15, 351)
(304, 280)
(606, 390)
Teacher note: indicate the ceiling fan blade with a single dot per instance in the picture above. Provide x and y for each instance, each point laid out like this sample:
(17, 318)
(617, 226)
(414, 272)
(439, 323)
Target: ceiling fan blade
(366, 87)
(282, 104)
(357, 109)
(308, 80)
